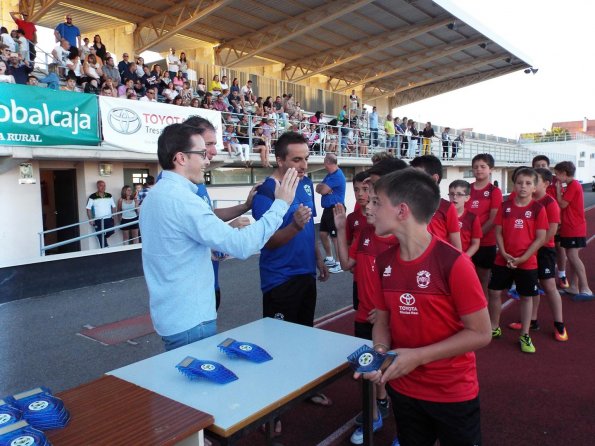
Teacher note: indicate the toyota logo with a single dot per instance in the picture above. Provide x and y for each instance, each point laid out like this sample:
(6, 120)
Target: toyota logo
(124, 121)
(407, 299)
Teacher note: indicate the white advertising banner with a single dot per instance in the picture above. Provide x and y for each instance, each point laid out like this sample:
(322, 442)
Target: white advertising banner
(136, 125)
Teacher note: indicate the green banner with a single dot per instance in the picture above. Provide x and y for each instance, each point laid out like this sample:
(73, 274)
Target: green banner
(35, 116)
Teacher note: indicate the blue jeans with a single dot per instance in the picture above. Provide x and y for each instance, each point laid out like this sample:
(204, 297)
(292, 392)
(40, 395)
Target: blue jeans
(201, 331)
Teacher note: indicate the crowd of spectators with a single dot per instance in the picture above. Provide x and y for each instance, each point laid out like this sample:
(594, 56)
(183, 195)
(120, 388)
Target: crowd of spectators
(83, 66)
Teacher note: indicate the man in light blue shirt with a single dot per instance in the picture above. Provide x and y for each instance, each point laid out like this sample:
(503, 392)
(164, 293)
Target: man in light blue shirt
(180, 230)
(374, 127)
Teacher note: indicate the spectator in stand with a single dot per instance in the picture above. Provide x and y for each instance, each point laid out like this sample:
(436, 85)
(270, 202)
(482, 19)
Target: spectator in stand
(32, 81)
(7, 40)
(29, 29)
(131, 72)
(142, 194)
(111, 71)
(4, 77)
(106, 91)
(445, 137)
(100, 50)
(242, 130)
(247, 93)
(353, 100)
(23, 45)
(427, 133)
(258, 109)
(4, 53)
(207, 101)
(60, 54)
(140, 63)
(389, 129)
(278, 108)
(109, 83)
(100, 210)
(259, 146)
(215, 86)
(184, 65)
(186, 93)
(224, 84)
(373, 117)
(412, 134)
(150, 95)
(173, 63)
(74, 67)
(457, 143)
(178, 101)
(195, 103)
(122, 89)
(178, 81)
(402, 135)
(342, 114)
(201, 87)
(123, 66)
(91, 69)
(235, 102)
(219, 105)
(147, 79)
(235, 86)
(69, 32)
(84, 50)
(315, 118)
(139, 88)
(19, 68)
(70, 86)
(170, 93)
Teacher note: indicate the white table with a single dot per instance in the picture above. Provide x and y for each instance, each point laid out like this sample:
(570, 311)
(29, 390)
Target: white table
(304, 360)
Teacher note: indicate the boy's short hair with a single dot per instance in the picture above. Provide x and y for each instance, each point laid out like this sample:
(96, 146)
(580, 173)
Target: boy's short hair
(540, 158)
(415, 188)
(360, 177)
(486, 158)
(545, 174)
(379, 156)
(429, 163)
(567, 167)
(462, 184)
(386, 165)
(516, 171)
(526, 172)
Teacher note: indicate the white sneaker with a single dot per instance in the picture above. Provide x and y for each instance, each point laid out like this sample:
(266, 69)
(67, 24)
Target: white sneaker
(335, 269)
(330, 262)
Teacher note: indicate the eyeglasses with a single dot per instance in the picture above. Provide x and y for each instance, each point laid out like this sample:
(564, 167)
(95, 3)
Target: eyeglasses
(202, 153)
(458, 194)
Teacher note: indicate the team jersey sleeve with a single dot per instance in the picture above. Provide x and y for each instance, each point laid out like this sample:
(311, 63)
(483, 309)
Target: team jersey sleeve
(571, 191)
(465, 288)
(553, 212)
(376, 294)
(496, 198)
(541, 220)
(452, 219)
(262, 201)
(498, 219)
(476, 231)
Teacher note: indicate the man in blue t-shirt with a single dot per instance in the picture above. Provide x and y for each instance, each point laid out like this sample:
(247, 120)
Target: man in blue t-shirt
(69, 32)
(289, 260)
(332, 190)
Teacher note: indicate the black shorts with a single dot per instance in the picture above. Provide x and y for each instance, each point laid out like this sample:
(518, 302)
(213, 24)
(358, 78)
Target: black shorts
(573, 242)
(355, 297)
(363, 330)
(484, 257)
(292, 301)
(131, 227)
(525, 279)
(422, 422)
(546, 263)
(327, 222)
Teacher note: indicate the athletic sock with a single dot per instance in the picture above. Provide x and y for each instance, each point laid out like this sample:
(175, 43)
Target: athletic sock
(561, 274)
(559, 326)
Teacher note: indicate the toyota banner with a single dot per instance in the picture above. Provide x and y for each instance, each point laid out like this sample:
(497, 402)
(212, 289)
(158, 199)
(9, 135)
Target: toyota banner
(136, 125)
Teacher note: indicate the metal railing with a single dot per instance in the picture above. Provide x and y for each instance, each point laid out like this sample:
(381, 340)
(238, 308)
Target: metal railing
(43, 247)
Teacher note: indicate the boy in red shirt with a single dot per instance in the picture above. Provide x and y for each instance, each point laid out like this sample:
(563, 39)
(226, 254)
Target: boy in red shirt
(484, 202)
(459, 194)
(357, 219)
(573, 228)
(546, 259)
(431, 313)
(521, 225)
(445, 221)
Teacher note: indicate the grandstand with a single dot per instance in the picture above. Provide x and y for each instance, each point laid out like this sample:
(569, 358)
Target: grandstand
(388, 53)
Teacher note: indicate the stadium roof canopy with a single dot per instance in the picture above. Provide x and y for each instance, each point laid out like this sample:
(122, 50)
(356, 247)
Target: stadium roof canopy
(406, 50)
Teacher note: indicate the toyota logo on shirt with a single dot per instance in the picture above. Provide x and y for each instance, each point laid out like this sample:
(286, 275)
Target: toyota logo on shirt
(124, 121)
(407, 299)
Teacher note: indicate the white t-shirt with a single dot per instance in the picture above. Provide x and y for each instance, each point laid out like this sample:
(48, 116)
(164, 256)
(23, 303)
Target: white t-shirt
(102, 207)
(62, 55)
(173, 63)
(9, 41)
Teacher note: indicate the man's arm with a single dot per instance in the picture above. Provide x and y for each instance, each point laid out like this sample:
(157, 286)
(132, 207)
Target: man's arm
(300, 217)
(57, 34)
(323, 189)
(340, 223)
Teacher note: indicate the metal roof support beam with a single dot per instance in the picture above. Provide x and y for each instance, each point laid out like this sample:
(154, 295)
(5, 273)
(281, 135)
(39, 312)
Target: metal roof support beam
(440, 75)
(419, 58)
(289, 29)
(419, 93)
(176, 19)
(338, 56)
(28, 6)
